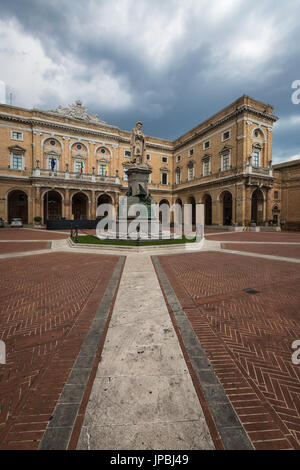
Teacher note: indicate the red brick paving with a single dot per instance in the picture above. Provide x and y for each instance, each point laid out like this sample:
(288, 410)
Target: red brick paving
(27, 234)
(288, 251)
(257, 237)
(247, 337)
(6, 248)
(47, 305)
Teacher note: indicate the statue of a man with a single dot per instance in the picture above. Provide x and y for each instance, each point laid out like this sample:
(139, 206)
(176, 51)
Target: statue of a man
(138, 144)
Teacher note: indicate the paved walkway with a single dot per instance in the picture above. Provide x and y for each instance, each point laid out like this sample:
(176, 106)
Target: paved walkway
(143, 396)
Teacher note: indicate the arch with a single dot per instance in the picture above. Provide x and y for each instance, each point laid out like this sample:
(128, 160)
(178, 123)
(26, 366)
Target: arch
(103, 147)
(226, 201)
(207, 201)
(73, 144)
(257, 206)
(164, 211)
(80, 204)
(52, 205)
(52, 138)
(17, 205)
(260, 129)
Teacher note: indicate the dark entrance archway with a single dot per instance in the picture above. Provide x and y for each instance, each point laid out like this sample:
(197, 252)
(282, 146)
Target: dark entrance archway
(207, 201)
(17, 206)
(191, 200)
(80, 206)
(52, 206)
(226, 199)
(164, 211)
(257, 206)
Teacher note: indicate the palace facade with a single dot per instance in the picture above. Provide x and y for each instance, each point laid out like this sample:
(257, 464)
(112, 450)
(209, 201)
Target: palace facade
(66, 162)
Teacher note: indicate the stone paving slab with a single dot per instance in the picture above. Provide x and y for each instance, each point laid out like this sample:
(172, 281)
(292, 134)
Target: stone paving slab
(246, 317)
(47, 306)
(288, 251)
(256, 236)
(143, 396)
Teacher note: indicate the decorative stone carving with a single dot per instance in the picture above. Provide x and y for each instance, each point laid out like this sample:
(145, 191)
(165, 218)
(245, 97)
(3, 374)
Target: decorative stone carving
(77, 111)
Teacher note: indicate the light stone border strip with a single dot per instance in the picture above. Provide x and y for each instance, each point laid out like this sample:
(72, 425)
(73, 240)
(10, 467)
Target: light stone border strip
(59, 430)
(231, 431)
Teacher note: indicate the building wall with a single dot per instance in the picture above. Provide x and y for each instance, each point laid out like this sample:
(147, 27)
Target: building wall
(46, 135)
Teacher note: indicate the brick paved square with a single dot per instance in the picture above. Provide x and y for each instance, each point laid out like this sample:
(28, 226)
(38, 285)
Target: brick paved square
(247, 337)
(47, 305)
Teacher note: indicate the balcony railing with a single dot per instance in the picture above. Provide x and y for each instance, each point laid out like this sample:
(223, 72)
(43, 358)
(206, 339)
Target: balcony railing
(80, 177)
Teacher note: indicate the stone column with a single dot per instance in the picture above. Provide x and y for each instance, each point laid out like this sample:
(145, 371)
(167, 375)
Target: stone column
(67, 204)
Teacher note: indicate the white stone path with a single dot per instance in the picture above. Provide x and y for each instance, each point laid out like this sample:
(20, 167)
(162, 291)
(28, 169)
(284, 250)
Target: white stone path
(143, 396)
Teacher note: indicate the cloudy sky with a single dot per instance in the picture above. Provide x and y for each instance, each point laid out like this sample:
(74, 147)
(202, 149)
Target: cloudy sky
(169, 63)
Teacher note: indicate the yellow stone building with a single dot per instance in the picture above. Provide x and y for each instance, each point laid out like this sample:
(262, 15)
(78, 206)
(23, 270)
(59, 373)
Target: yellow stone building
(64, 163)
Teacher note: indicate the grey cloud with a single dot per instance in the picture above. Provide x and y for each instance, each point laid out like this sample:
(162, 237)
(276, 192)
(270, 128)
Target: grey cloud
(181, 93)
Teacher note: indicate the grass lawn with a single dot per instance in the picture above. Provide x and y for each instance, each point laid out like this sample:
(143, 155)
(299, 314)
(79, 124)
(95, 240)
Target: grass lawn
(92, 240)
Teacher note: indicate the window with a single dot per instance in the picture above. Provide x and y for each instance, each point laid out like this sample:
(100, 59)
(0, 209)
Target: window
(226, 135)
(17, 161)
(206, 145)
(255, 159)
(206, 167)
(150, 179)
(16, 135)
(226, 162)
(275, 194)
(52, 142)
(125, 176)
(54, 164)
(79, 167)
(178, 176)
(79, 146)
(127, 153)
(190, 172)
(178, 158)
(148, 157)
(164, 159)
(102, 150)
(164, 178)
(103, 170)
(191, 153)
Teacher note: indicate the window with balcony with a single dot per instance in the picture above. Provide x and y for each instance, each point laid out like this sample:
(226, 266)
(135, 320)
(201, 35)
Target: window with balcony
(52, 163)
(164, 178)
(191, 172)
(206, 167)
(79, 166)
(255, 159)
(103, 170)
(17, 162)
(226, 162)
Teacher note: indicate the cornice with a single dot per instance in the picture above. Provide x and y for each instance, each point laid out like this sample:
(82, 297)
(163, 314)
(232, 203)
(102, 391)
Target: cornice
(240, 110)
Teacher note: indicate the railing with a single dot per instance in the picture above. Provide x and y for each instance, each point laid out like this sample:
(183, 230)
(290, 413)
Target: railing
(80, 177)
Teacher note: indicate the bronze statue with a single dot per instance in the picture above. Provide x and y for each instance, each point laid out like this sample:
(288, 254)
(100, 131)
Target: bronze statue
(138, 144)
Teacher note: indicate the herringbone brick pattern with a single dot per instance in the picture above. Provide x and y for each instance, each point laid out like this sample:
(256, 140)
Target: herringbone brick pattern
(288, 251)
(247, 337)
(19, 247)
(47, 304)
(25, 234)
